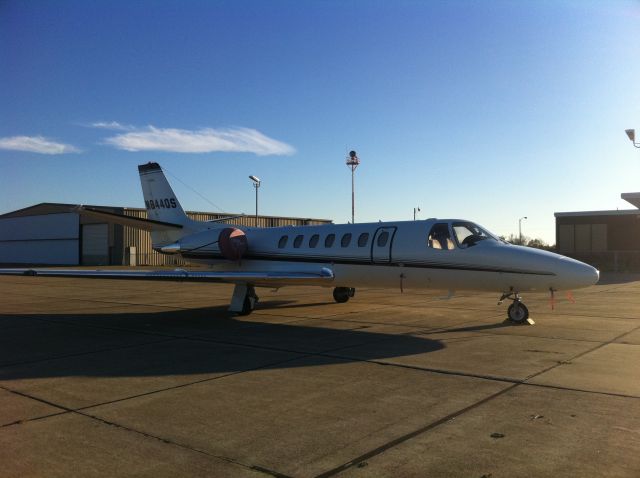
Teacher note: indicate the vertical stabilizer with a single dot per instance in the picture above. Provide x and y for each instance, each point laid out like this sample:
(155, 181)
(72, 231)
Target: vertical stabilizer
(161, 203)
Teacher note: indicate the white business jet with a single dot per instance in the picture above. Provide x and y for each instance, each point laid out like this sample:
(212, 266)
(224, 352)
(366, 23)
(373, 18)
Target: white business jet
(440, 254)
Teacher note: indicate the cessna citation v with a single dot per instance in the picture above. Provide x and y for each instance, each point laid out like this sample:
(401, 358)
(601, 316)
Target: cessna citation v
(444, 254)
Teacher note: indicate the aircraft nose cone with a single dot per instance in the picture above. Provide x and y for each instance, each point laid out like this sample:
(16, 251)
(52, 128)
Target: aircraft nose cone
(583, 275)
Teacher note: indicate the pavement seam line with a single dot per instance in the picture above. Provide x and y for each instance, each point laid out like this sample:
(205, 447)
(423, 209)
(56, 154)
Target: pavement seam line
(413, 434)
(37, 399)
(26, 420)
(181, 445)
(580, 390)
(183, 385)
(581, 354)
(426, 428)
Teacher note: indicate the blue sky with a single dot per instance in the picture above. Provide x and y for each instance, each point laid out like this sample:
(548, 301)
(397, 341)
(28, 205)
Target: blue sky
(488, 111)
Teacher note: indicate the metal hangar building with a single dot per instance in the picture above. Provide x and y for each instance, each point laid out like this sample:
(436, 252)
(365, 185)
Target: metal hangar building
(53, 234)
(608, 240)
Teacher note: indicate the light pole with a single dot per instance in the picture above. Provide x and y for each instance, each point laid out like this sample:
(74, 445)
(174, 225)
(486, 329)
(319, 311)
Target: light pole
(520, 227)
(415, 209)
(352, 163)
(256, 184)
(631, 133)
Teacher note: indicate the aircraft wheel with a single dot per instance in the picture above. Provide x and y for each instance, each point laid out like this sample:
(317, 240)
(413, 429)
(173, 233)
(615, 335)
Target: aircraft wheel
(518, 312)
(247, 307)
(249, 304)
(342, 294)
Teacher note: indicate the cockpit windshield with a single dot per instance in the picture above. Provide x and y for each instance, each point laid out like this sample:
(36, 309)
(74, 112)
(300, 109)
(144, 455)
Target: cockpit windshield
(468, 234)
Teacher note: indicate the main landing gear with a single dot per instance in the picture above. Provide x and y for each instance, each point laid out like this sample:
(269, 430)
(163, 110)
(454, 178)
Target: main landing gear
(244, 299)
(517, 311)
(343, 294)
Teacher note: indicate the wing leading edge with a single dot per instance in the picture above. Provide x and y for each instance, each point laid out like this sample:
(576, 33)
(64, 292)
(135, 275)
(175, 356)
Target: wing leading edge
(267, 278)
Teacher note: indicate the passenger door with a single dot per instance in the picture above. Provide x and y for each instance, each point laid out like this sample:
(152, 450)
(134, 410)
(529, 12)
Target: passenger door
(381, 244)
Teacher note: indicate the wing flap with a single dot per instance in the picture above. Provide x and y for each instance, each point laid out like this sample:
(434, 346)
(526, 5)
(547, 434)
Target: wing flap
(257, 277)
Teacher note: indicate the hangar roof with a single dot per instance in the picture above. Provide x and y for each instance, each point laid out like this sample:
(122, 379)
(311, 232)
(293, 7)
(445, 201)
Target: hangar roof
(57, 208)
(633, 198)
(615, 212)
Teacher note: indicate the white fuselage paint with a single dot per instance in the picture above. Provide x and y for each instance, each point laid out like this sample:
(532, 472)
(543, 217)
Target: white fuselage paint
(406, 261)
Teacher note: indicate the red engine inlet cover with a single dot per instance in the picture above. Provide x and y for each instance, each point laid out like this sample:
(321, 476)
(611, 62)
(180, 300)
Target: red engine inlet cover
(232, 243)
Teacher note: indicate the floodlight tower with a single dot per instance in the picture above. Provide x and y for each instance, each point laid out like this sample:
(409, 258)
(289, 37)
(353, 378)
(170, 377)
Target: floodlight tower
(631, 133)
(256, 184)
(352, 163)
(520, 228)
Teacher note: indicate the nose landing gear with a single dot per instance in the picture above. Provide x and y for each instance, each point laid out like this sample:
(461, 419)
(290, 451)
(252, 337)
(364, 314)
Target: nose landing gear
(517, 311)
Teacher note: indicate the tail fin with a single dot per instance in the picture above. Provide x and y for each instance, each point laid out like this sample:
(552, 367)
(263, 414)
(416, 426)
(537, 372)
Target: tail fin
(161, 203)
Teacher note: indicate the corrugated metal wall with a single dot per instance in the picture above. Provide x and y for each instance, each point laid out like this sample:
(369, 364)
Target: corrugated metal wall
(141, 240)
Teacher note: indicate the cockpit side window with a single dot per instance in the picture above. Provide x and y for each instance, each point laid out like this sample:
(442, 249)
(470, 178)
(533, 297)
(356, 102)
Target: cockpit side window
(440, 237)
(468, 234)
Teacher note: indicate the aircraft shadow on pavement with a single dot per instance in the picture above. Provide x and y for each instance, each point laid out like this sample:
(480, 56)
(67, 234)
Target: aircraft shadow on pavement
(183, 342)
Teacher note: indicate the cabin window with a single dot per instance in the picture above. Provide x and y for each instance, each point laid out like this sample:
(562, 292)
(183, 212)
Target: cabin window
(328, 241)
(298, 240)
(283, 242)
(440, 237)
(313, 242)
(363, 239)
(346, 239)
(383, 237)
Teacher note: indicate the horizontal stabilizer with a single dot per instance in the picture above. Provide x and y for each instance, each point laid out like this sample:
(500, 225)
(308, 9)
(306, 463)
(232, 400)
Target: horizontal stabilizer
(255, 277)
(226, 218)
(136, 222)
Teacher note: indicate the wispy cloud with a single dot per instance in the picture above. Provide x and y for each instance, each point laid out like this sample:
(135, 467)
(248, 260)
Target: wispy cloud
(206, 140)
(113, 125)
(36, 144)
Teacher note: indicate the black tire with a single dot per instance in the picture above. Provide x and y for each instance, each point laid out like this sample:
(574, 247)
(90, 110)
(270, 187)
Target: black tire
(518, 313)
(247, 307)
(341, 294)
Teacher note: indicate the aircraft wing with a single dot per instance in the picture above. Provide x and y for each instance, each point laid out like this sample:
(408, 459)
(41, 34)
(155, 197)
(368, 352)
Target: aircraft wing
(138, 223)
(267, 278)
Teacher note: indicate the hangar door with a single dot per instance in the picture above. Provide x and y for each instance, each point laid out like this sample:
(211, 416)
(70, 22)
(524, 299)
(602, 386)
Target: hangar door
(95, 244)
(40, 239)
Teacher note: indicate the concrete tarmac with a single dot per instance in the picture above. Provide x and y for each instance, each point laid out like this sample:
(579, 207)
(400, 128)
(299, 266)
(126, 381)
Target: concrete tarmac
(123, 378)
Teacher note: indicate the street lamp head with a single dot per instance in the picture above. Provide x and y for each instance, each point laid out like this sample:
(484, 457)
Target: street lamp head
(353, 161)
(255, 179)
(631, 133)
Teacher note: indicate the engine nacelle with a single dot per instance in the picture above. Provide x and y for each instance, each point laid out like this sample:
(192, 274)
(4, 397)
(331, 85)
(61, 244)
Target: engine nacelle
(232, 243)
